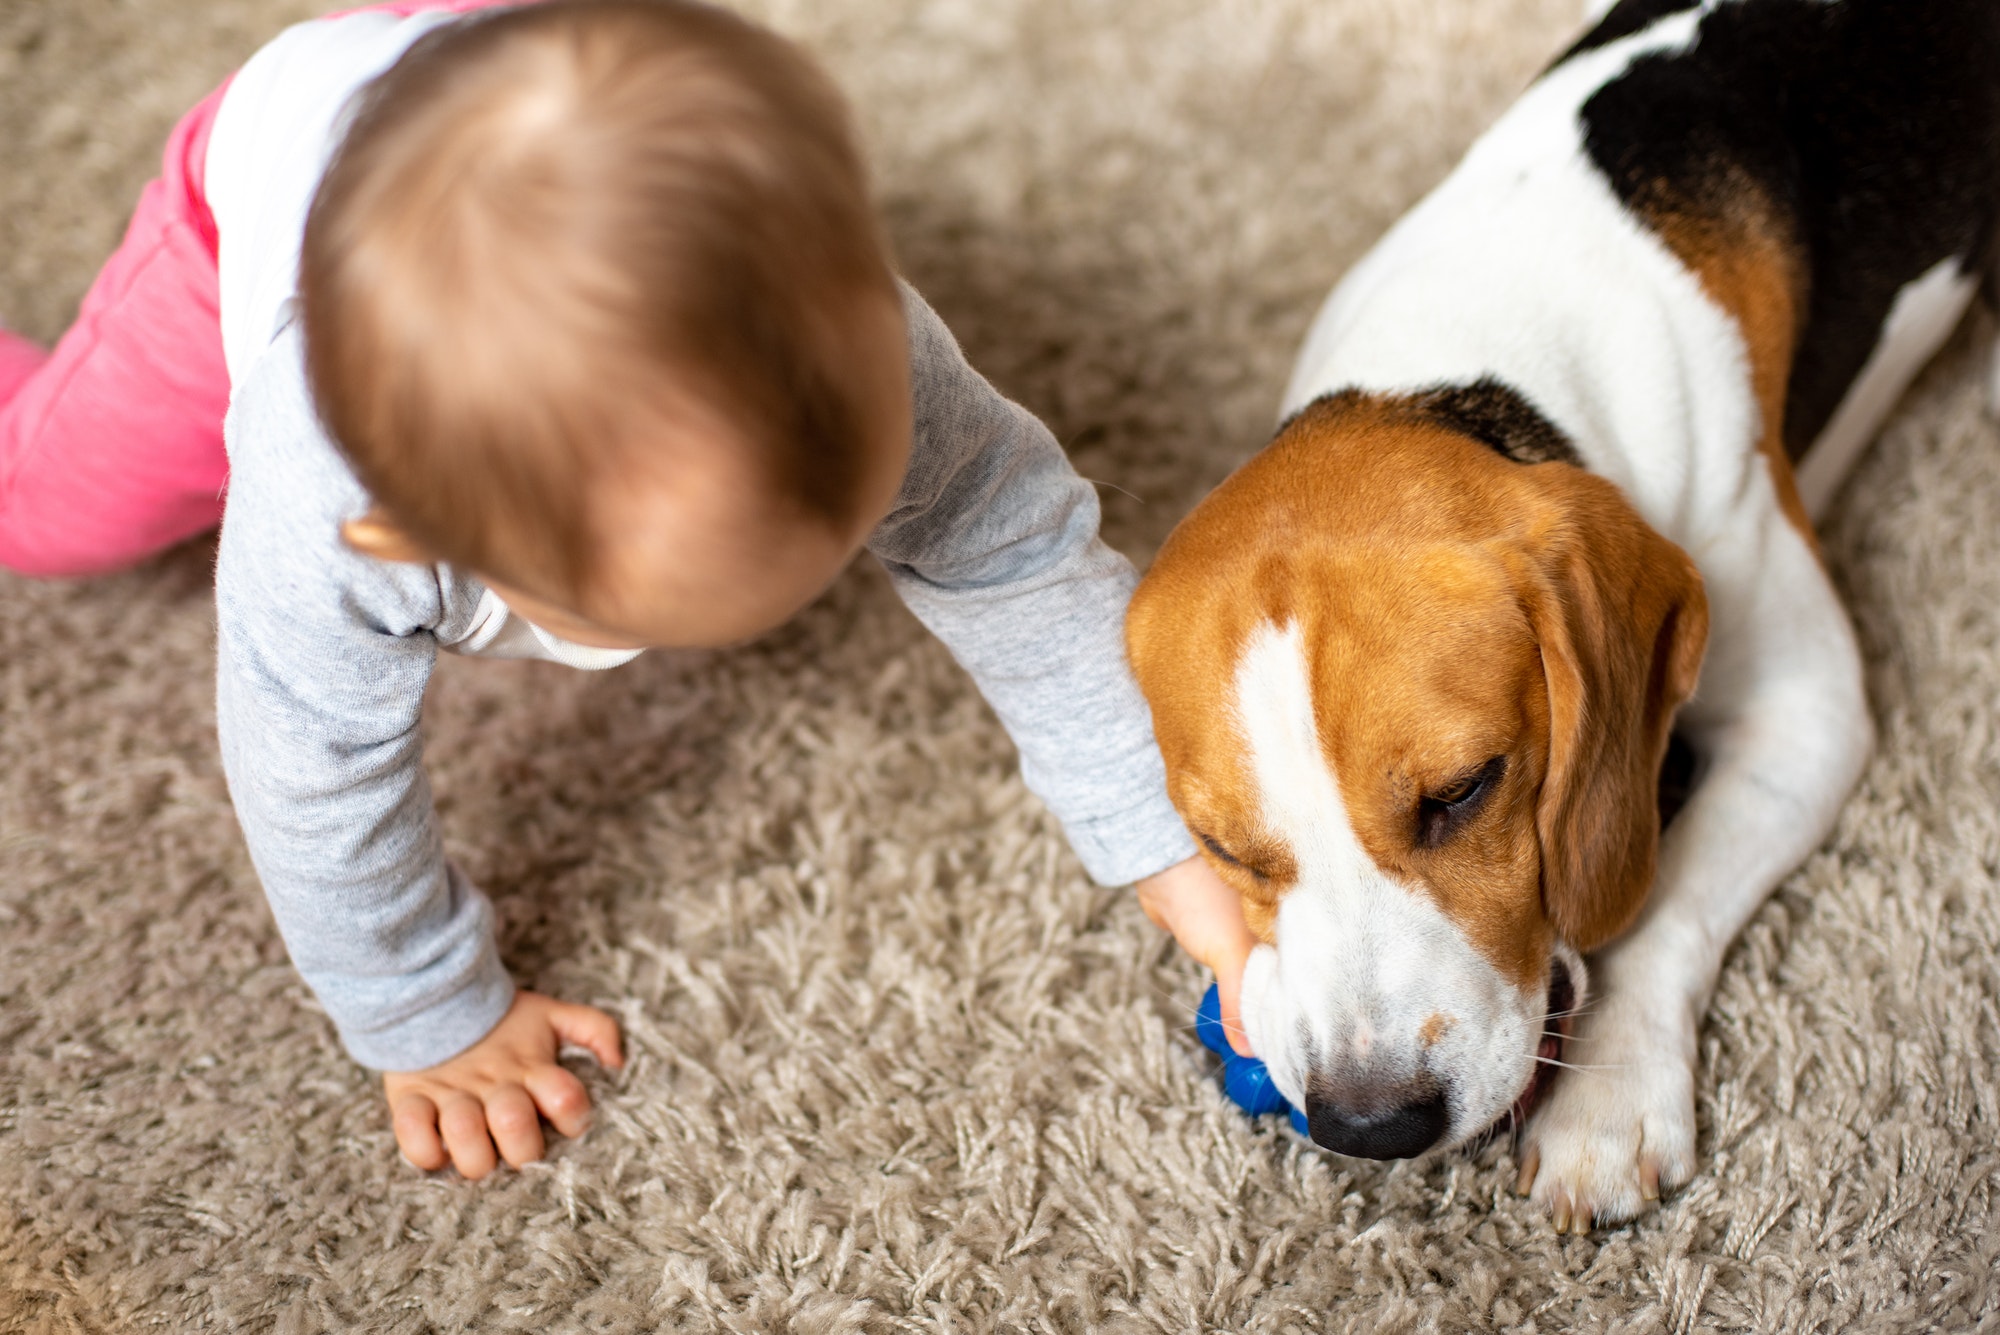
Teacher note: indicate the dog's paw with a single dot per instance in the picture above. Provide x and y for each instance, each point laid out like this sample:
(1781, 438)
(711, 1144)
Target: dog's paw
(1605, 1143)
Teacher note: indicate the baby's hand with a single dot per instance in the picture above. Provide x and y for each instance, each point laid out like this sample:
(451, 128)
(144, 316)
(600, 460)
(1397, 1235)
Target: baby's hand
(490, 1094)
(1206, 917)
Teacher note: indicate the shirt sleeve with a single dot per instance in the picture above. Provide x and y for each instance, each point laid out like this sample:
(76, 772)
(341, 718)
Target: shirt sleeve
(994, 544)
(322, 659)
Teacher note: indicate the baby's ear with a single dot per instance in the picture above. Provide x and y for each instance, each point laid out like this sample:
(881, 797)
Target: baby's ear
(376, 535)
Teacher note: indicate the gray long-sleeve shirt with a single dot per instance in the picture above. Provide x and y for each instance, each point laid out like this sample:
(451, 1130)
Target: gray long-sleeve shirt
(324, 654)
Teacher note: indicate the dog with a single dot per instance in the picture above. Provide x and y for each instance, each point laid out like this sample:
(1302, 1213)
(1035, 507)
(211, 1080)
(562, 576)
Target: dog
(1542, 497)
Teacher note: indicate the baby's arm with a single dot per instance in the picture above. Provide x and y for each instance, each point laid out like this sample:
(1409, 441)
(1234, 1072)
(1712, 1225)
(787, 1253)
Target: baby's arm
(322, 660)
(994, 545)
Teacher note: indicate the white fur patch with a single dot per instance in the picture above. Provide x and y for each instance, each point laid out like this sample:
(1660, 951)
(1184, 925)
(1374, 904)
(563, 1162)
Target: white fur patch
(1523, 265)
(1362, 961)
(1926, 311)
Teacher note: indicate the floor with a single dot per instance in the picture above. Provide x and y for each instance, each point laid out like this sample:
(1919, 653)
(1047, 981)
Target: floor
(897, 1065)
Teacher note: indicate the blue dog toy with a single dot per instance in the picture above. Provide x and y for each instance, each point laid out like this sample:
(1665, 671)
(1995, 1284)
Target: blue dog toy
(1246, 1080)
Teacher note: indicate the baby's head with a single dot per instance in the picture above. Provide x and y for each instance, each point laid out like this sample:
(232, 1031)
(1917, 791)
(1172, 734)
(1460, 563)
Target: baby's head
(597, 306)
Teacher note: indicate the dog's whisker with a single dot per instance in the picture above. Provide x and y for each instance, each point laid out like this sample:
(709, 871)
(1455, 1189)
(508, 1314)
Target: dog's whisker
(1576, 1066)
(1585, 1009)
(1174, 999)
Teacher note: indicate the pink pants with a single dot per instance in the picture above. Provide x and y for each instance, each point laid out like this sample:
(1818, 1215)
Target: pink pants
(111, 443)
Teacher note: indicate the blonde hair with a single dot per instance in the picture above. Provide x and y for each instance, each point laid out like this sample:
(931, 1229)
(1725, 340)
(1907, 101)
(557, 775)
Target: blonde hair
(547, 227)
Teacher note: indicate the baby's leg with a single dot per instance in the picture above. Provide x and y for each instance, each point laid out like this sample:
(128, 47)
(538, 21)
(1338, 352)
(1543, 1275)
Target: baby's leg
(111, 444)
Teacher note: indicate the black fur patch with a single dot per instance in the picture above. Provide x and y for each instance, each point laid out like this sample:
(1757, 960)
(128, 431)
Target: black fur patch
(1677, 772)
(1498, 416)
(1873, 126)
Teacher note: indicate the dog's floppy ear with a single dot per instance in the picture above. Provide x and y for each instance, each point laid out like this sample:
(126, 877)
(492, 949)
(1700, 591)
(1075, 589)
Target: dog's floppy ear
(1622, 622)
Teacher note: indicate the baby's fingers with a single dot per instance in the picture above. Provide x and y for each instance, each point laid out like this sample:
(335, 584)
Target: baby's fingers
(462, 1118)
(416, 1121)
(562, 1099)
(1229, 989)
(588, 1027)
(516, 1128)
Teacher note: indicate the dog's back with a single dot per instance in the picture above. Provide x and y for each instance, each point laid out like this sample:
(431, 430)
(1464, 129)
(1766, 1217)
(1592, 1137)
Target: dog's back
(1826, 171)
(1860, 139)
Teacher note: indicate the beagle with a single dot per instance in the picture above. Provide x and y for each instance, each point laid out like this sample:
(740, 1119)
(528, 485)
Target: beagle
(1542, 494)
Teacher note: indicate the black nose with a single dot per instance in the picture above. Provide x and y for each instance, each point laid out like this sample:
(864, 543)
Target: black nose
(1401, 1125)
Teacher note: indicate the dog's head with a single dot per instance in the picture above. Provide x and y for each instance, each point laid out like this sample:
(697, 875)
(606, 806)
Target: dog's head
(1413, 698)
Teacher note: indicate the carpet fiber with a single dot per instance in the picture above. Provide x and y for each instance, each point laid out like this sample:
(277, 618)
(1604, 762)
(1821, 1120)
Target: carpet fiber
(896, 1065)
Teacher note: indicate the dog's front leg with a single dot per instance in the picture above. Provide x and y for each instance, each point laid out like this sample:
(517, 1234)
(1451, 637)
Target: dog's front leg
(1782, 722)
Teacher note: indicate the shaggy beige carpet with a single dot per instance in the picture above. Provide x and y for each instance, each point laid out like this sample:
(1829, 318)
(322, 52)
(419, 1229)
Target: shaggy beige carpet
(896, 1064)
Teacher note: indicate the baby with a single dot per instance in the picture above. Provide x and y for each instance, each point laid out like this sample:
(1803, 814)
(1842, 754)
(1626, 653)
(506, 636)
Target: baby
(556, 331)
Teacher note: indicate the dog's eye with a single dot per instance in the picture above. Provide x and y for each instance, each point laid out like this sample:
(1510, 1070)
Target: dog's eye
(1457, 790)
(1209, 842)
(1442, 812)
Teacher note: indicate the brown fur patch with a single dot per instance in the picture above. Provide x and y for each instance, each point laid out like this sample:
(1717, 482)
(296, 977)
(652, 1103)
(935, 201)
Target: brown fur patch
(1436, 1027)
(1410, 556)
(1747, 259)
